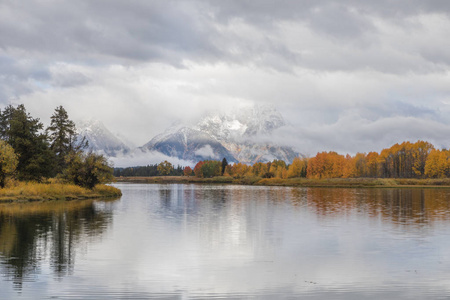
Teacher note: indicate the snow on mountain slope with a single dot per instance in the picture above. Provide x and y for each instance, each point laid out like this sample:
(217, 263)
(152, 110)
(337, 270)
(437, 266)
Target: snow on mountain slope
(239, 136)
(233, 136)
(100, 139)
(188, 144)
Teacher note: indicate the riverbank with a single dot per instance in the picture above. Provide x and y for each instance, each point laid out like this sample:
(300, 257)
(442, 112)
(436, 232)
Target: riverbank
(300, 182)
(31, 191)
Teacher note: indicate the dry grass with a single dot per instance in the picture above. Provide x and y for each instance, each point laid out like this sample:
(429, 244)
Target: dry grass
(32, 191)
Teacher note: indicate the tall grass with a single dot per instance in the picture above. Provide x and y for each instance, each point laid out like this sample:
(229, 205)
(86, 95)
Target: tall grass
(29, 191)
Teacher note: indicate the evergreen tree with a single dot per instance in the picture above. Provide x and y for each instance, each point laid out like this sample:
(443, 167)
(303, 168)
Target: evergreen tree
(224, 165)
(62, 134)
(24, 134)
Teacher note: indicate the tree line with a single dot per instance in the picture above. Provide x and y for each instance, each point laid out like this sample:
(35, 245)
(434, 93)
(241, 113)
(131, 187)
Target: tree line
(406, 160)
(30, 152)
(162, 169)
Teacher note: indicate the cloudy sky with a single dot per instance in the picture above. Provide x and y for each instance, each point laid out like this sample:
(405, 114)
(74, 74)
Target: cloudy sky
(347, 75)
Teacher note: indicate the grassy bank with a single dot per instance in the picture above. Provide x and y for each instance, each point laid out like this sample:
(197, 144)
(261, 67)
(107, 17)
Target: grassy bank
(31, 191)
(302, 182)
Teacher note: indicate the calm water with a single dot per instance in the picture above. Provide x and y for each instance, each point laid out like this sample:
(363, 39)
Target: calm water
(233, 242)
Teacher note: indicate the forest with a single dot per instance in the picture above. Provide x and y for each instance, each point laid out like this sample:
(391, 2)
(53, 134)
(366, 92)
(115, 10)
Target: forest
(31, 153)
(406, 160)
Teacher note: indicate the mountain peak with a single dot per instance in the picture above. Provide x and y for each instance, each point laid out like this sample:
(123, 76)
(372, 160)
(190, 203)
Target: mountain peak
(229, 135)
(100, 138)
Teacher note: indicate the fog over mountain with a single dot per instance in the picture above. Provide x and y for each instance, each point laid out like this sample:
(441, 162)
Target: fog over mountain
(235, 136)
(241, 135)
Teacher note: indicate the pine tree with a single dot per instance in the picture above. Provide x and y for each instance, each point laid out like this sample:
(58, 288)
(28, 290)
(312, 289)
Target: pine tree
(224, 165)
(62, 134)
(5, 118)
(24, 134)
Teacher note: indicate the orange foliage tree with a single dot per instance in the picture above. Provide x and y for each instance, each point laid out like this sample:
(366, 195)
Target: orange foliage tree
(187, 171)
(438, 164)
(198, 169)
(405, 160)
(297, 168)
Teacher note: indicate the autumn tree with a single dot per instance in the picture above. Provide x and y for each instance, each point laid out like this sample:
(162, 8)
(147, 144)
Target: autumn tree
(421, 151)
(372, 164)
(259, 169)
(405, 160)
(438, 164)
(8, 162)
(326, 165)
(278, 168)
(187, 171)
(349, 168)
(211, 168)
(165, 168)
(239, 170)
(297, 168)
(198, 169)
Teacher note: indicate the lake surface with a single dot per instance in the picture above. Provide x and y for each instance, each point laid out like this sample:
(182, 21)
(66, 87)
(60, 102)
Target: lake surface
(230, 242)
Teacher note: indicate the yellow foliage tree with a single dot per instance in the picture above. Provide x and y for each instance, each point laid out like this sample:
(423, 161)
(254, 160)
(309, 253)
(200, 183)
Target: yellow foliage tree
(297, 168)
(165, 168)
(259, 169)
(437, 164)
(8, 162)
(372, 164)
(349, 169)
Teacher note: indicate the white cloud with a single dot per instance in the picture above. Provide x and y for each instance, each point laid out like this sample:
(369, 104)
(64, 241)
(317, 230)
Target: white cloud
(140, 66)
(138, 158)
(207, 152)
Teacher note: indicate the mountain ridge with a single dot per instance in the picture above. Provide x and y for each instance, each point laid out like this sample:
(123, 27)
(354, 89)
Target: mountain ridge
(232, 136)
(236, 136)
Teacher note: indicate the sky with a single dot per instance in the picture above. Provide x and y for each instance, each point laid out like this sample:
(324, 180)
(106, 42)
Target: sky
(348, 76)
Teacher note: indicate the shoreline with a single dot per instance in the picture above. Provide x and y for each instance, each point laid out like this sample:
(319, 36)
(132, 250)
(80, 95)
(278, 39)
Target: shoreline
(297, 182)
(32, 192)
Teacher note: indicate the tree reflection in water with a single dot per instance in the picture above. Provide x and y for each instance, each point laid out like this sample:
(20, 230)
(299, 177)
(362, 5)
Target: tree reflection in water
(403, 207)
(30, 233)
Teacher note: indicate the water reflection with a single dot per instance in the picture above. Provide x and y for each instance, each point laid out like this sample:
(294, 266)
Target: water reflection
(405, 207)
(33, 232)
(223, 241)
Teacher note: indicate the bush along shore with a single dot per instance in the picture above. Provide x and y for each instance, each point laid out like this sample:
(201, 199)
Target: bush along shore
(299, 182)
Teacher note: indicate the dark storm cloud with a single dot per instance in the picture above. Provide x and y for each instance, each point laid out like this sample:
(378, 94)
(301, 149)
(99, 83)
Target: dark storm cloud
(102, 30)
(173, 32)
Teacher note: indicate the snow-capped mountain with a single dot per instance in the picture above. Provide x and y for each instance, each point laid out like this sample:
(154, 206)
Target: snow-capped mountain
(100, 139)
(233, 136)
(188, 144)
